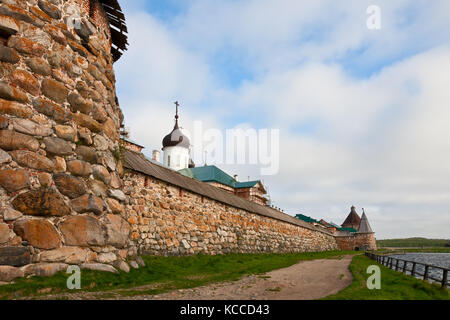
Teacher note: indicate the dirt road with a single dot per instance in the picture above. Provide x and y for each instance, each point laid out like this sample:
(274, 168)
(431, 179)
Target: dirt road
(306, 280)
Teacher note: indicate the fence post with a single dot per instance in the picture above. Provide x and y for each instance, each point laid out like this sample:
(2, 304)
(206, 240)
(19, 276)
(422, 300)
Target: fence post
(444, 278)
(413, 271)
(425, 275)
(404, 266)
(396, 265)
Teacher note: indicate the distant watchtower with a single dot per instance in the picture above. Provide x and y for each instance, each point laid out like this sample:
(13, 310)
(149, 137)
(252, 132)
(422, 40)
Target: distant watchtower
(353, 220)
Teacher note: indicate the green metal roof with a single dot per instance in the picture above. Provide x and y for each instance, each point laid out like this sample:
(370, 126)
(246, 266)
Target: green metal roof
(249, 184)
(212, 173)
(347, 229)
(208, 174)
(306, 218)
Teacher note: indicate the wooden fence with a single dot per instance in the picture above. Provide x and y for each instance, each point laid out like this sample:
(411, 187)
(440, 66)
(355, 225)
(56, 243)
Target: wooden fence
(394, 263)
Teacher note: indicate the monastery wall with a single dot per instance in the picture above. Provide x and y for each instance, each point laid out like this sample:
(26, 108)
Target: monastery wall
(168, 220)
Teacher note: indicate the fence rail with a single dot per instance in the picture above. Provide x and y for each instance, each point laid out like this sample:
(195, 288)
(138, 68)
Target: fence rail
(394, 263)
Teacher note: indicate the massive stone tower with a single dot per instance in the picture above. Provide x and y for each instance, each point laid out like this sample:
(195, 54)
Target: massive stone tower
(60, 173)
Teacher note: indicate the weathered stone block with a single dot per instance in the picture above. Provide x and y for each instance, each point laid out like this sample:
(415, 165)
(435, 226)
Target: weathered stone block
(44, 269)
(99, 267)
(26, 46)
(54, 90)
(10, 93)
(101, 173)
(52, 110)
(8, 55)
(86, 153)
(115, 206)
(82, 231)
(10, 140)
(15, 109)
(39, 66)
(4, 233)
(88, 203)
(10, 214)
(117, 230)
(107, 257)
(26, 81)
(58, 146)
(66, 133)
(14, 256)
(79, 168)
(69, 185)
(78, 103)
(8, 274)
(31, 128)
(49, 9)
(70, 255)
(85, 121)
(32, 160)
(122, 265)
(19, 14)
(14, 180)
(39, 233)
(41, 202)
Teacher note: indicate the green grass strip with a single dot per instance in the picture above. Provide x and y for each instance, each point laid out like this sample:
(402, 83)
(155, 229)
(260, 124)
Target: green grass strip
(163, 274)
(394, 285)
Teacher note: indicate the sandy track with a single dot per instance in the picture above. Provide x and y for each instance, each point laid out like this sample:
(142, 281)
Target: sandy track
(306, 280)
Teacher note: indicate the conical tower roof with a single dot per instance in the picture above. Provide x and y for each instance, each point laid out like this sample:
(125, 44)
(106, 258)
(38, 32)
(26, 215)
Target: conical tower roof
(364, 226)
(352, 219)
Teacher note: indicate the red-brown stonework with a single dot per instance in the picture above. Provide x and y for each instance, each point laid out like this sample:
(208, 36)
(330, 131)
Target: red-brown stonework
(42, 202)
(57, 96)
(39, 233)
(165, 222)
(358, 241)
(14, 180)
(83, 231)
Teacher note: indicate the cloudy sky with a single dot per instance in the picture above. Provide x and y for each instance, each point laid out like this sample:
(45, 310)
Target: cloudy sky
(364, 115)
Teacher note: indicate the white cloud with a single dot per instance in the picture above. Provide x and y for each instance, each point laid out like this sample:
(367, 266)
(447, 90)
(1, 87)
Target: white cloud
(380, 142)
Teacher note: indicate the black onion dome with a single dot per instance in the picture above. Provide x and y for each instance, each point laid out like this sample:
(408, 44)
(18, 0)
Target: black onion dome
(176, 139)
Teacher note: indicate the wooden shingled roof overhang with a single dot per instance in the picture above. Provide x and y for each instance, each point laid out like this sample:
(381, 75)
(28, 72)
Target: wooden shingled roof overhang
(118, 28)
(138, 163)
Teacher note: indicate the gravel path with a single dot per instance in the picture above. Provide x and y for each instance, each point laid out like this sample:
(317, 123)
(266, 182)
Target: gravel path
(307, 280)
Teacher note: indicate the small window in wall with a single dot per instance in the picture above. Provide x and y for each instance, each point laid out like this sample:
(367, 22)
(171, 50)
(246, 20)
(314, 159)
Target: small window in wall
(168, 161)
(147, 182)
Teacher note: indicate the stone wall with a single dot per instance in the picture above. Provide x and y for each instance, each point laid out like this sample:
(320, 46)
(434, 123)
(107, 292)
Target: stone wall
(167, 220)
(357, 241)
(60, 185)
